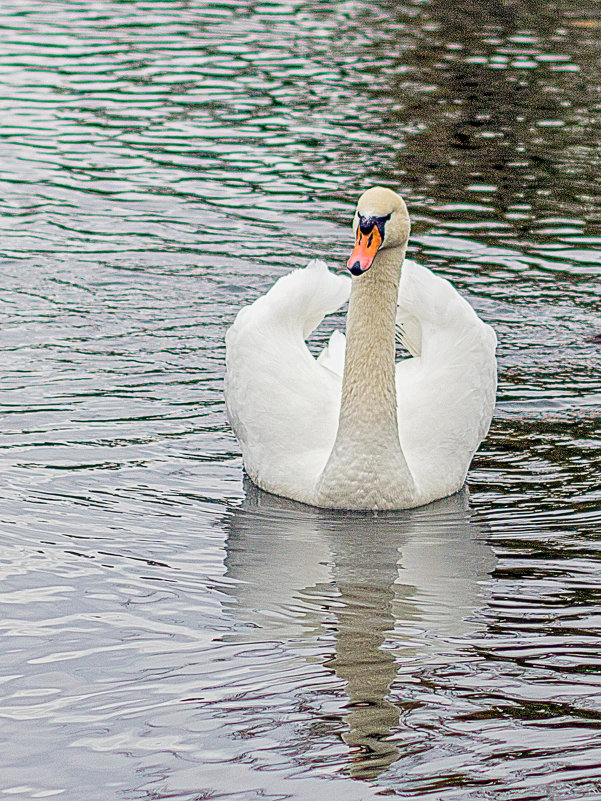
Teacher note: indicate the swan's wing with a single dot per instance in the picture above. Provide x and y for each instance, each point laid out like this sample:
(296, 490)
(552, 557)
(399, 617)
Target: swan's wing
(408, 333)
(332, 356)
(446, 393)
(283, 405)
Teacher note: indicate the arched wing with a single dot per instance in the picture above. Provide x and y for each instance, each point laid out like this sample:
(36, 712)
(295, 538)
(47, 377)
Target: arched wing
(282, 403)
(446, 392)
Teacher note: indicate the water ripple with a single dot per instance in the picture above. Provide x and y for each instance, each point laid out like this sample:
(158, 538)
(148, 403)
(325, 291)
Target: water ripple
(169, 632)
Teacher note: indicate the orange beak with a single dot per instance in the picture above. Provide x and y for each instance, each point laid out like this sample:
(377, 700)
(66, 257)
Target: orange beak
(364, 251)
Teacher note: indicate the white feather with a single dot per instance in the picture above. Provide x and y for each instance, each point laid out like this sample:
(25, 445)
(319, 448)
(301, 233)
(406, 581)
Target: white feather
(350, 429)
(284, 404)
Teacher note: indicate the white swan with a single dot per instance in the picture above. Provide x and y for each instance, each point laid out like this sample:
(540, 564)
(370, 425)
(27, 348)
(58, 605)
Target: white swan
(351, 430)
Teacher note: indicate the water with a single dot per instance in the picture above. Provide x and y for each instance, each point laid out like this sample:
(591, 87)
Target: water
(168, 632)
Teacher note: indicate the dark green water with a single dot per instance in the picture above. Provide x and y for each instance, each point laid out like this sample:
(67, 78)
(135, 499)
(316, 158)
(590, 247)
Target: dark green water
(168, 633)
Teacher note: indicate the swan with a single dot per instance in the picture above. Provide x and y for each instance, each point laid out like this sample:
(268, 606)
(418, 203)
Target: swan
(351, 429)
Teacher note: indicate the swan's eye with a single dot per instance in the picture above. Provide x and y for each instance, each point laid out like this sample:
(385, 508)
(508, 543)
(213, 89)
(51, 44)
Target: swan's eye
(368, 224)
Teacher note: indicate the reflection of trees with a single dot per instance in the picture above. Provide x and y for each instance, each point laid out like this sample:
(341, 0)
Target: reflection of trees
(492, 94)
(296, 574)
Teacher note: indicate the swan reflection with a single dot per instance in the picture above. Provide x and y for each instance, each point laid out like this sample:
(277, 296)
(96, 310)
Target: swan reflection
(392, 591)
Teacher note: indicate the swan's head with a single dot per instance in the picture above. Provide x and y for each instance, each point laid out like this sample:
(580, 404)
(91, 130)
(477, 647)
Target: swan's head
(381, 221)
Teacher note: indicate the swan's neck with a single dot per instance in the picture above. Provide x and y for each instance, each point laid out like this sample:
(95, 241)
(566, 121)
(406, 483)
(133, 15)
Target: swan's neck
(368, 387)
(366, 468)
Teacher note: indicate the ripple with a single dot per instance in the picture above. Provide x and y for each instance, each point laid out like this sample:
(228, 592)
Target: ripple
(171, 632)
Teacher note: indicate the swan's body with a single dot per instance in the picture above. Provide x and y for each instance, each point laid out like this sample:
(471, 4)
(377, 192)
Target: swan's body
(351, 429)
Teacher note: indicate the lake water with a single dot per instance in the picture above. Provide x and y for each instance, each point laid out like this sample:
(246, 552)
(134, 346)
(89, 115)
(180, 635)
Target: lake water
(171, 633)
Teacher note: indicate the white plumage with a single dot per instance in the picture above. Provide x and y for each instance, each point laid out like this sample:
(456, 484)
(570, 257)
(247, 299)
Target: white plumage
(304, 437)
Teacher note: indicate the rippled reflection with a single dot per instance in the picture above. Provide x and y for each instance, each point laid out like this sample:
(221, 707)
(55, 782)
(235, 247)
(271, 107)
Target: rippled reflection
(161, 163)
(389, 592)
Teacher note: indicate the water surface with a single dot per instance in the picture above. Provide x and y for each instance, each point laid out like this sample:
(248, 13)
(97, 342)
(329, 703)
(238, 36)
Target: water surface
(170, 632)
